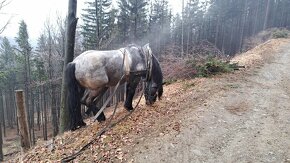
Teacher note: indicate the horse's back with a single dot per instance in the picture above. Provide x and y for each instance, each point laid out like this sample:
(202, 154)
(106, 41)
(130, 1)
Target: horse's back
(92, 67)
(96, 56)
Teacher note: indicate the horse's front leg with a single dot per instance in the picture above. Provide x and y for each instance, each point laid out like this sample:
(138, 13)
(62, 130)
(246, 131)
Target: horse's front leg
(130, 92)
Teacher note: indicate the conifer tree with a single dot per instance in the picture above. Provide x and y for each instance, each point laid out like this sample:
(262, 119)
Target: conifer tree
(133, 19)
(97, 23)
(25, 49)
(159, 25)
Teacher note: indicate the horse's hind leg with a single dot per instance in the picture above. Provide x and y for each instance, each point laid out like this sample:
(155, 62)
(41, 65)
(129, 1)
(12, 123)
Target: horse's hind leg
(101, 117)
(92, 98)
(80, 122)
(93, 108)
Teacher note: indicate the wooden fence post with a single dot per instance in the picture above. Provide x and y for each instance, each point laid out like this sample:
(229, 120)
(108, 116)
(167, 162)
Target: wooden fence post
(22, 120)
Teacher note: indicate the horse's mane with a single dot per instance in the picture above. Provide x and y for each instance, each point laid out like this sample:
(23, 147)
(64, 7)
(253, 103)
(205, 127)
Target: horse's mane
(157, 75)
(133, 45)
(139, 49)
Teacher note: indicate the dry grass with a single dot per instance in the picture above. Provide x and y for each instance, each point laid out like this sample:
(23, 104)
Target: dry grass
(259, 53)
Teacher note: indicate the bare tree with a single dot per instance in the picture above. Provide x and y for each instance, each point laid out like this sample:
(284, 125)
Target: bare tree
(4, 3)
(69, 55)
(182, 29)
(266, 15)
(1, 142)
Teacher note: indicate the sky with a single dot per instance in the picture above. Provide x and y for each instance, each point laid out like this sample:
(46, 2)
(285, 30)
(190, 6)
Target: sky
(36, 12)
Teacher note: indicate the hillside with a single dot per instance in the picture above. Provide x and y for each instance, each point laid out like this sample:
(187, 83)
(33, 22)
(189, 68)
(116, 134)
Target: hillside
(237, 117)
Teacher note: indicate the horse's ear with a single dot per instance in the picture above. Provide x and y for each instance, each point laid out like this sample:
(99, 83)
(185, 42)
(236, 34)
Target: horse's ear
(146, 47)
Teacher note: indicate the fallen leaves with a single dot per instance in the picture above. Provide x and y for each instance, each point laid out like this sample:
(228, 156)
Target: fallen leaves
(114, 145)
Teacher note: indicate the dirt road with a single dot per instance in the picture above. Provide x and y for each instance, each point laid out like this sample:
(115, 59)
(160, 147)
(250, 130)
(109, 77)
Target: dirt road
(241, 117)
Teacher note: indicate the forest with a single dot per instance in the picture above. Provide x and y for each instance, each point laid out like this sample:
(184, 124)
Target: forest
(37, 69)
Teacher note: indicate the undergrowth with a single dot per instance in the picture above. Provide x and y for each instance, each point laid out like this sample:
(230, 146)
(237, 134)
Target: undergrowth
(212, 66)
(280, 33)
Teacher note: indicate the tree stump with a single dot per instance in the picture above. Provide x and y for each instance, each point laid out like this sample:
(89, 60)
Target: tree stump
(22, 120)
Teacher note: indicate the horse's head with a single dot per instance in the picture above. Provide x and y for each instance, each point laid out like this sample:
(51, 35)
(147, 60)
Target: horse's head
(154, 78)
(150, 92)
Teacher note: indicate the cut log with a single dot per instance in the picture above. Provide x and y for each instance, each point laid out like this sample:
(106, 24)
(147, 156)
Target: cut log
(22, 120)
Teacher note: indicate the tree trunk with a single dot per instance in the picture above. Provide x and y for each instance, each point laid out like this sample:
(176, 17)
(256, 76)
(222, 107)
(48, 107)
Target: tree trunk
(2, 117)
(98, 24)
(22, 118)
(9, 109)
(1, 142)
(266, 15)
(217, 31)
(182, 29)
(32, 138)
(242, 26)
(51, 86)
(27, 87)
(3, 113)
(54, 111)
(38, 105)
(69, 55)
(256, 20)
(44, 125)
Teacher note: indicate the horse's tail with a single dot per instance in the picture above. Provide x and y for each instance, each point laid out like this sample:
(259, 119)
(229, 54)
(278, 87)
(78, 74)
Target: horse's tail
(73, 97)
(160, 92)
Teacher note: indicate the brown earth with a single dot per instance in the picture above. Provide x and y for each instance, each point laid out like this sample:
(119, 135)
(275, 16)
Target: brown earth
(239, 117)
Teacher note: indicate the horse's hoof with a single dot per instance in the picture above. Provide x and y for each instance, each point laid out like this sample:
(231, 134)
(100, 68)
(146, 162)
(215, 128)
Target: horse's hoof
(101, 122)
(101, 119)
(88, 113)
(128, 108)
(74, 128)
(82, 123)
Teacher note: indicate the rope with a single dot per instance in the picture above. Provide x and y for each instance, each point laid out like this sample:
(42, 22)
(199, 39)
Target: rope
(101, 132)
(108, 100)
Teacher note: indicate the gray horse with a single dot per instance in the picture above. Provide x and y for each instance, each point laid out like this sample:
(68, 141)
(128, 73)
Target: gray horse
(91, 73)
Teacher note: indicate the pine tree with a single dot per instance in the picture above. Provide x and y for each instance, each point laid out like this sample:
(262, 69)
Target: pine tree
(25, 50)
(8, 78)
(97, 20)
(7, 63)
(159, 25)
(123, 22)
(133, 19)
(176, 30)
(193, 16)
